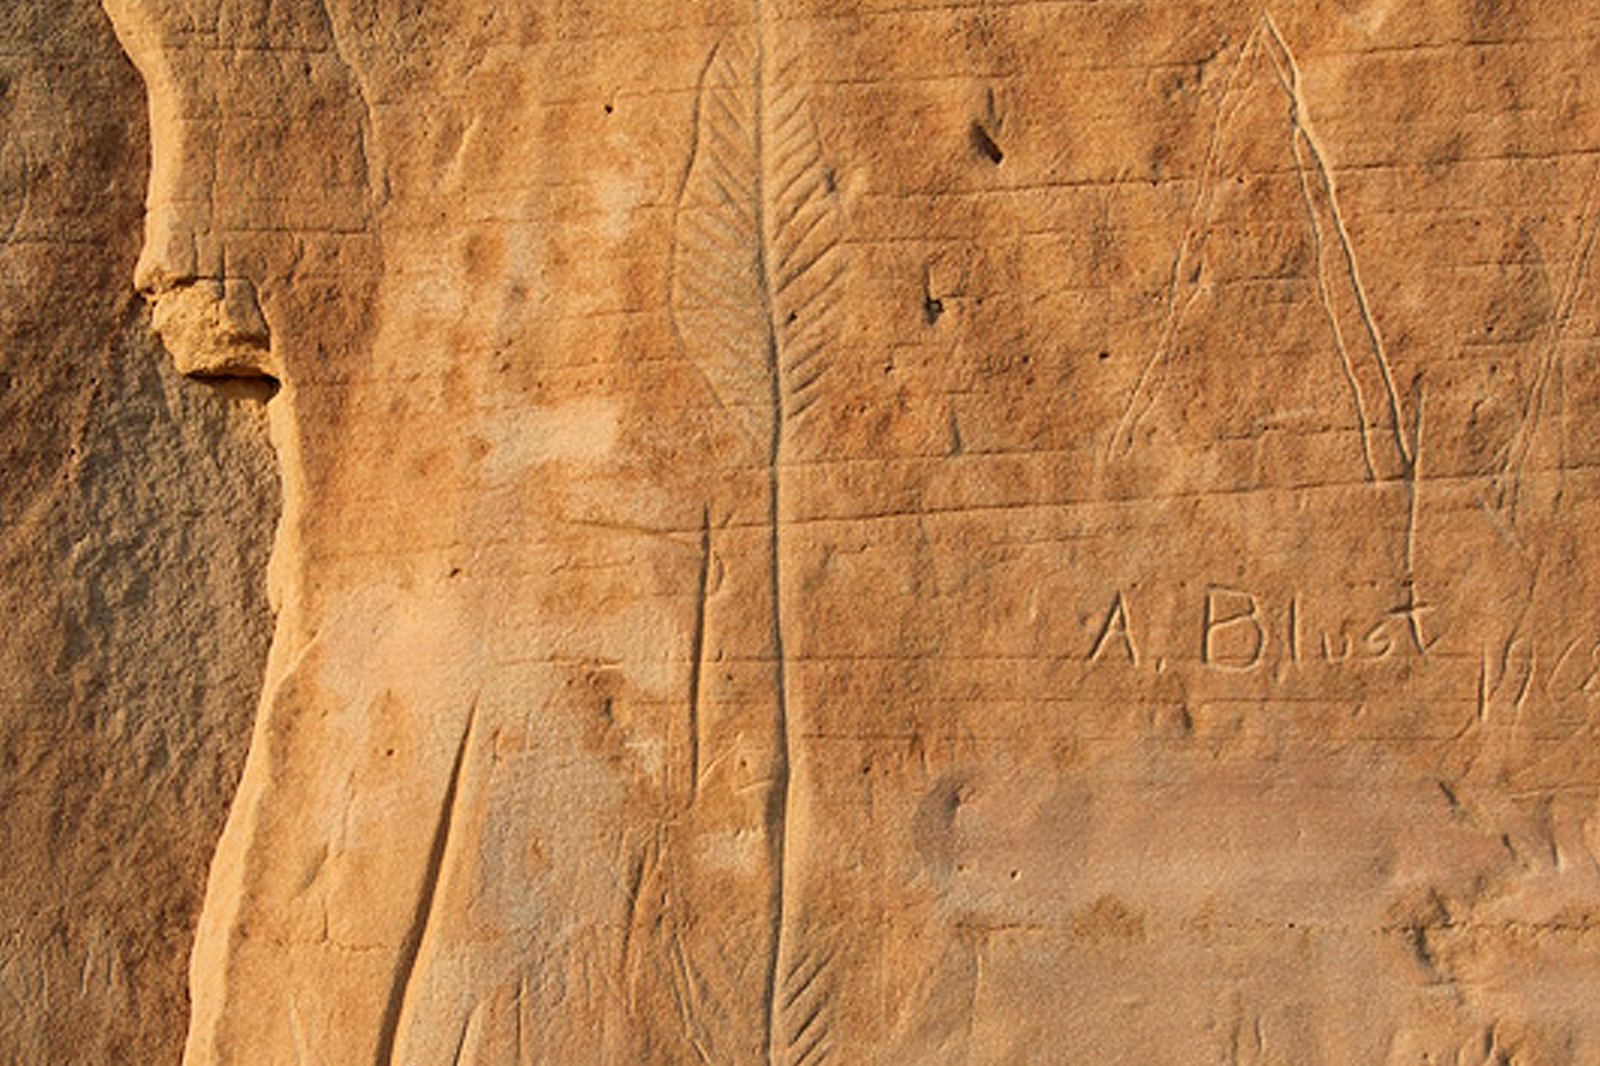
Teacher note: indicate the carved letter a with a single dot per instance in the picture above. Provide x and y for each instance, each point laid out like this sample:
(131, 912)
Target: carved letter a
(1115, 627)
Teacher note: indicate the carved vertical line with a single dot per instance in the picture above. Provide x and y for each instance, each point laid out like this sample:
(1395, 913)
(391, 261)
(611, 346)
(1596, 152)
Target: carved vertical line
(1288, 71)
(780, 800)
(1512, 469)
(427, 903)
(697, 651)
(1345, 362)
(755, 284)
(1180, 287)
(1414, 492)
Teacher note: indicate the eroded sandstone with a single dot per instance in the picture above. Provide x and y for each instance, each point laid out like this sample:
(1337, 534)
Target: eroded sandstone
(849, 533)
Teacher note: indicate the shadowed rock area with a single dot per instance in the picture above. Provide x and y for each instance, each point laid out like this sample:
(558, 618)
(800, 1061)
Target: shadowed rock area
(136, 510)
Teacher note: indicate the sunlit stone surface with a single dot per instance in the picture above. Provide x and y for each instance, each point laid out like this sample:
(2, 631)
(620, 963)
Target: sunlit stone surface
(819, 533)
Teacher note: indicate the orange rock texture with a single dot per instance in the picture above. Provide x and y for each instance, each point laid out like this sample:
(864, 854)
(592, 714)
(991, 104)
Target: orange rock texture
(136, 514)
(805, 533)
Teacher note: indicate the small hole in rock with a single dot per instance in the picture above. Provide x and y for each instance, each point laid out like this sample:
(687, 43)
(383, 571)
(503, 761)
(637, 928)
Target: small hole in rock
(985, 145)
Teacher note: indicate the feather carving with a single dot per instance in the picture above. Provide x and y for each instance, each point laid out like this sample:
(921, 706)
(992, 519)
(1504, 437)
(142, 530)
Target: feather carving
(757, 273)
(756, 267)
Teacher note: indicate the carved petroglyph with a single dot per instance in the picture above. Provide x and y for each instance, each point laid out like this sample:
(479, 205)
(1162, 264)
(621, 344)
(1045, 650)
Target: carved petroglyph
(757, 268)
(918, 534)
(757, 274)
(1261, 63)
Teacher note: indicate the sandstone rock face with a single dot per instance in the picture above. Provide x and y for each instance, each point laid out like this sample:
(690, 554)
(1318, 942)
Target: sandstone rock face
(824, 533)
(135, 517)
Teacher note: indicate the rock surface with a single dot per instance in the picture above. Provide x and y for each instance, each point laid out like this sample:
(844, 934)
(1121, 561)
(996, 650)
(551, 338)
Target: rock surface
(821, 533)
(136, 512)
